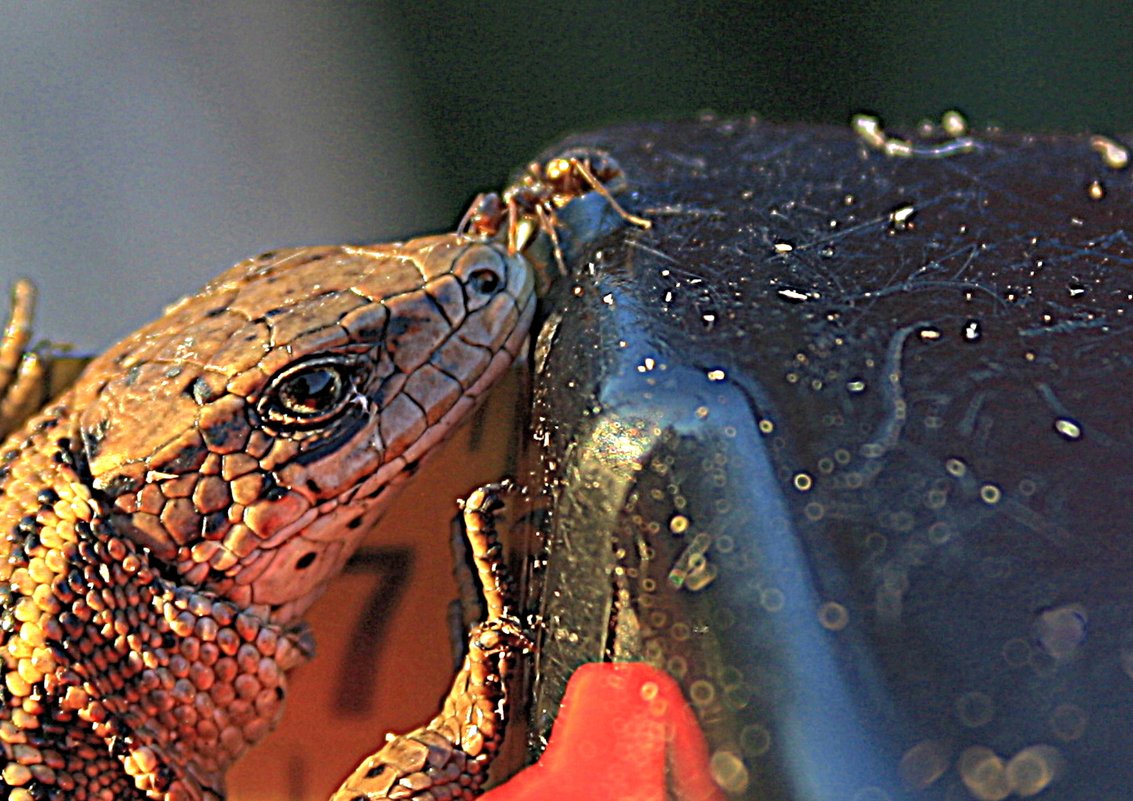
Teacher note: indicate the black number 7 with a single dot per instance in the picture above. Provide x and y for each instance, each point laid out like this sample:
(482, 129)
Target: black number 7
(392, 566)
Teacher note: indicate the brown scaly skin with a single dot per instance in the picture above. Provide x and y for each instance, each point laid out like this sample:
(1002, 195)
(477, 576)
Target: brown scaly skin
(448, 757)
(170, 517)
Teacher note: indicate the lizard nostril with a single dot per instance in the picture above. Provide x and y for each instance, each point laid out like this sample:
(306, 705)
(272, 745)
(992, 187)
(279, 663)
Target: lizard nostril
(485, 281)
(306, 560)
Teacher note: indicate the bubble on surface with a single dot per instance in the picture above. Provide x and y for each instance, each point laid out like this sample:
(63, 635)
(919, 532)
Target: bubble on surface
(677, 667)
(923, 764)
(1068, 722)
(984, 774)
(1061, 630)
(814, 511)
(990, 494)
(702, 692)
(1033, 769)
(955, 467)
(833, 616)
(803, 481)
(729, 772)
(975, 709)
(772, 599)
(755, 740)
(1016, 652)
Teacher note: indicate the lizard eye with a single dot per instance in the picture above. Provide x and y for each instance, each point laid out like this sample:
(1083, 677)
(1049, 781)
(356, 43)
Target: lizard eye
(308, 394)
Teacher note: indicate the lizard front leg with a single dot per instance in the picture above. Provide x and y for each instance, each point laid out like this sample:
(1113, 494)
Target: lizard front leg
(450, 755)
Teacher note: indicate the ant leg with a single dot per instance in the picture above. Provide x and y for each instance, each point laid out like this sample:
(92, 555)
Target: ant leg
(512, 226)
(598, 187)
(549, 222)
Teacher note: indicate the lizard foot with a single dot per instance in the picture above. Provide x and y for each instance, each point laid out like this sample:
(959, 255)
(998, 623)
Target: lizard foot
(448, 758)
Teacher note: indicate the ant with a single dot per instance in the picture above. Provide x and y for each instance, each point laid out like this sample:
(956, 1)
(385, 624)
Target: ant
(529, 205)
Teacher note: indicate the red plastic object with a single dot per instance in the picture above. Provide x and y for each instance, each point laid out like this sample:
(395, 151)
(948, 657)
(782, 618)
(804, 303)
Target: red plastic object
(624, 733)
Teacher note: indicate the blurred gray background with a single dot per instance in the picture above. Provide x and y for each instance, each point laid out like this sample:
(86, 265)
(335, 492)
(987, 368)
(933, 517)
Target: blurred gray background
(146, 146)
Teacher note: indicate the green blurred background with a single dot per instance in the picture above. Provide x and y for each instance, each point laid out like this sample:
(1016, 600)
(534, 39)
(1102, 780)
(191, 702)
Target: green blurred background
(145, 146)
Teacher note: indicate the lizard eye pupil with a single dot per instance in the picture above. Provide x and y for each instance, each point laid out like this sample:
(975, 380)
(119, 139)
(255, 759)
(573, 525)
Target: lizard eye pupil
(307, 395)
(310, 391)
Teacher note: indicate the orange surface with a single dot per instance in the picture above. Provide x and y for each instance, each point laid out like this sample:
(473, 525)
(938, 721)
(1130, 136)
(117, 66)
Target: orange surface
(624, 733)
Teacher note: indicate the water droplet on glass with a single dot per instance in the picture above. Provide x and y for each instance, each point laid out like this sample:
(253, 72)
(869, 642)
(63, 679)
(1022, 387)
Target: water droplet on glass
(1096, 190)
(954, 123)
(1068, 428)
(1113, 154)
(792, 295)
(900, 218)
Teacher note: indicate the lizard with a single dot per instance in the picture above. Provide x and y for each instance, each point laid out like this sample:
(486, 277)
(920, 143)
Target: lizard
(170, 517)
(168, 520)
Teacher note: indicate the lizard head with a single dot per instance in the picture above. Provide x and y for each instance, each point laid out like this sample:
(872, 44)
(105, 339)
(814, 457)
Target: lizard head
(252, 435)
